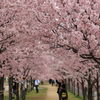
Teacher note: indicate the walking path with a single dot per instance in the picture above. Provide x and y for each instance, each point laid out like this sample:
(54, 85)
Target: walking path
(51, 93)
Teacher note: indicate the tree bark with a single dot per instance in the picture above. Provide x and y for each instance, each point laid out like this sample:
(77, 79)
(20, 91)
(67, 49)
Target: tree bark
(10, 82)
(78, 89)
(98, 96)
(66, 89)
(90, 92)
(69, 88)
(23, 92)
(74, 87)
(1, 88)
(71, 85)
(31, 84)
(17, 91)
(83, 90)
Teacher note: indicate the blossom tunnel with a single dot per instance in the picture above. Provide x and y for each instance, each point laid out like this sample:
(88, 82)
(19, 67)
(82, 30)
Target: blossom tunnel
(55, 39)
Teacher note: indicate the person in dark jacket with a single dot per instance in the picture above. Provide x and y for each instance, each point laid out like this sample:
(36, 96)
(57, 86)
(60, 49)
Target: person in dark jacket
(64, 94)
(62, 91)
(58, 90)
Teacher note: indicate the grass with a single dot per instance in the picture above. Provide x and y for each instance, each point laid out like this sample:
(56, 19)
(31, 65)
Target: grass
(33, 95)
(5, 98)
(73, 97)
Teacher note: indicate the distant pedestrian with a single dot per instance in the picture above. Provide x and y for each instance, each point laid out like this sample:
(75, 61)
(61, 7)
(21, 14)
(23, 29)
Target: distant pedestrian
(50, 81)
(37, 82)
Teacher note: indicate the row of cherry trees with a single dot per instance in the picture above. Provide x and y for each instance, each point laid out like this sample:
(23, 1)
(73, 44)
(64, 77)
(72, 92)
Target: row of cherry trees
(51, 38)
(79, 33)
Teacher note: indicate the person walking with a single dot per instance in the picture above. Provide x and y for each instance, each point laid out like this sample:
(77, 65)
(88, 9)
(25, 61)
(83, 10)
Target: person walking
(37, 82)
(62, 91)
(64, 94)
(59, 89)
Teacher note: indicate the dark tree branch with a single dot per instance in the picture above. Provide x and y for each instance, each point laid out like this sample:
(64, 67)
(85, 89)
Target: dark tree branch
(8, 37)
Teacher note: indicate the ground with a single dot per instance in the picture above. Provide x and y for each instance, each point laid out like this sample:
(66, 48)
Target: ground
(47, 92)
(52, 94)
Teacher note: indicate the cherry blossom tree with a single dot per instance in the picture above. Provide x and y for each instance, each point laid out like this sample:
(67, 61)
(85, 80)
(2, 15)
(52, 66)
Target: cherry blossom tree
(42, 37)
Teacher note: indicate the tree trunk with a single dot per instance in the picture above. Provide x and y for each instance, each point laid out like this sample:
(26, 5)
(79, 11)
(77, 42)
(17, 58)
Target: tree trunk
(78, 89)
(83, 91)
(17, 91)
(23, 92)
(1, 88)
(66, 89)
(90, 96)
(31, 84)
(67, 83)
(74, 87)
(69, 88)
(98, 96)
(71, 85)
(10, 82)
